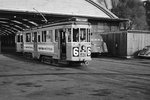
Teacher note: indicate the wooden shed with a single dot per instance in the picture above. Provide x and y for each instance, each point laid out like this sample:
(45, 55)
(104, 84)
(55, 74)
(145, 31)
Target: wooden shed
(126, 43)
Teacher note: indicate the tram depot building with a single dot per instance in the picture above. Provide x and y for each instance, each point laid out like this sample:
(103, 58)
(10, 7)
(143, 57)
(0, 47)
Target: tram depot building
(17, 16)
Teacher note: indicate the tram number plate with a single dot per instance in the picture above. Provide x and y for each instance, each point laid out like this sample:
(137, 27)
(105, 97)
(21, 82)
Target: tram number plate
(75, 51)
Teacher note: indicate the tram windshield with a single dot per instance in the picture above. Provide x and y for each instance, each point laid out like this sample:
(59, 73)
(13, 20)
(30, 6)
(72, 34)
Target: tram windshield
(76, 35)
(68, 32)
(82, 35)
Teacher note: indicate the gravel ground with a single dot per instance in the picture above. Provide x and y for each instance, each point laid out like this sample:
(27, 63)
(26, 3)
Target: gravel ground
(102, 79)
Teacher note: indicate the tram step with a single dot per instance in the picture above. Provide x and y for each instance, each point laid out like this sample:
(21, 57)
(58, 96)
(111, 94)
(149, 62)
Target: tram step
(63, 62)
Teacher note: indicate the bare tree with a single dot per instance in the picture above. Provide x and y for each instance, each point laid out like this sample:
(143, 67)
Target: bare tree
(129, 9)
(109, 4)
(133, 10)
(114, 3)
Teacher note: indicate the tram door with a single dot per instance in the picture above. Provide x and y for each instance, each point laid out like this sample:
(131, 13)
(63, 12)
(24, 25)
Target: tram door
(35, 44)
(62, 44)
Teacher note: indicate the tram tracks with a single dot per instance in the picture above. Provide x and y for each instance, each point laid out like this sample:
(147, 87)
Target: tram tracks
(60, 73)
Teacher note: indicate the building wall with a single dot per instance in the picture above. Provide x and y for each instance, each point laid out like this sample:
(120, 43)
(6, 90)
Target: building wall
(136, 41)
(101, 27)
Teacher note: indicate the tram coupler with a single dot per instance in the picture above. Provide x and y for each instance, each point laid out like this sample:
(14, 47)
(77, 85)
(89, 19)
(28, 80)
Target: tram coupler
(86, 63)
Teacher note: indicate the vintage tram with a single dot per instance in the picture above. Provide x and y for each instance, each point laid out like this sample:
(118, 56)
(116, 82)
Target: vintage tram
(98, 46)
(61, 41)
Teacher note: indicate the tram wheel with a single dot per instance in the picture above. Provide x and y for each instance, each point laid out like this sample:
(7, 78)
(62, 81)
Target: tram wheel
(42, 59)
(86, 63)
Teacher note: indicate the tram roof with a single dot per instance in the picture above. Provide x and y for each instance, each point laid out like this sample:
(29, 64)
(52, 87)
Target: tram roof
(17, 15)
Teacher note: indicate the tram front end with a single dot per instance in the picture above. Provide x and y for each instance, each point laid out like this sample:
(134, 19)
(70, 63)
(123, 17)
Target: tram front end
(79, 44)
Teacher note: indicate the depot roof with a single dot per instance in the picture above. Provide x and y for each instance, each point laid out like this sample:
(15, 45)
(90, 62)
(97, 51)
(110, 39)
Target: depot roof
(17, 15)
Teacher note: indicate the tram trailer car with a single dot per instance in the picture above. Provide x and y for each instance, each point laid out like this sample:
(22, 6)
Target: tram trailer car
(98, 46)
(67, 41)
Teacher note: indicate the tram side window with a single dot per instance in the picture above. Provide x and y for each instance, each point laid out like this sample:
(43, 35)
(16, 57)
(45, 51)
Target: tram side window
(76, 35)
(68, 32)
(18, 38)
(56, 35)
(44, 36)
(21, 36)
(34, 36)
(83, 36)
(49, 36)
(28, 37)
(39, 38)
(88, 35)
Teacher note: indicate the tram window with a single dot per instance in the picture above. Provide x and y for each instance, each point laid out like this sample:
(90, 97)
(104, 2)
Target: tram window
(49, 36)
(88, 35)
(21, 36)
(39, 38)
(76, 35)
(62, 35)
(83, 35)
(56, 35)
(28, 37)
(43, 36)
(68, 32)
(18, 38)
(34, 37)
